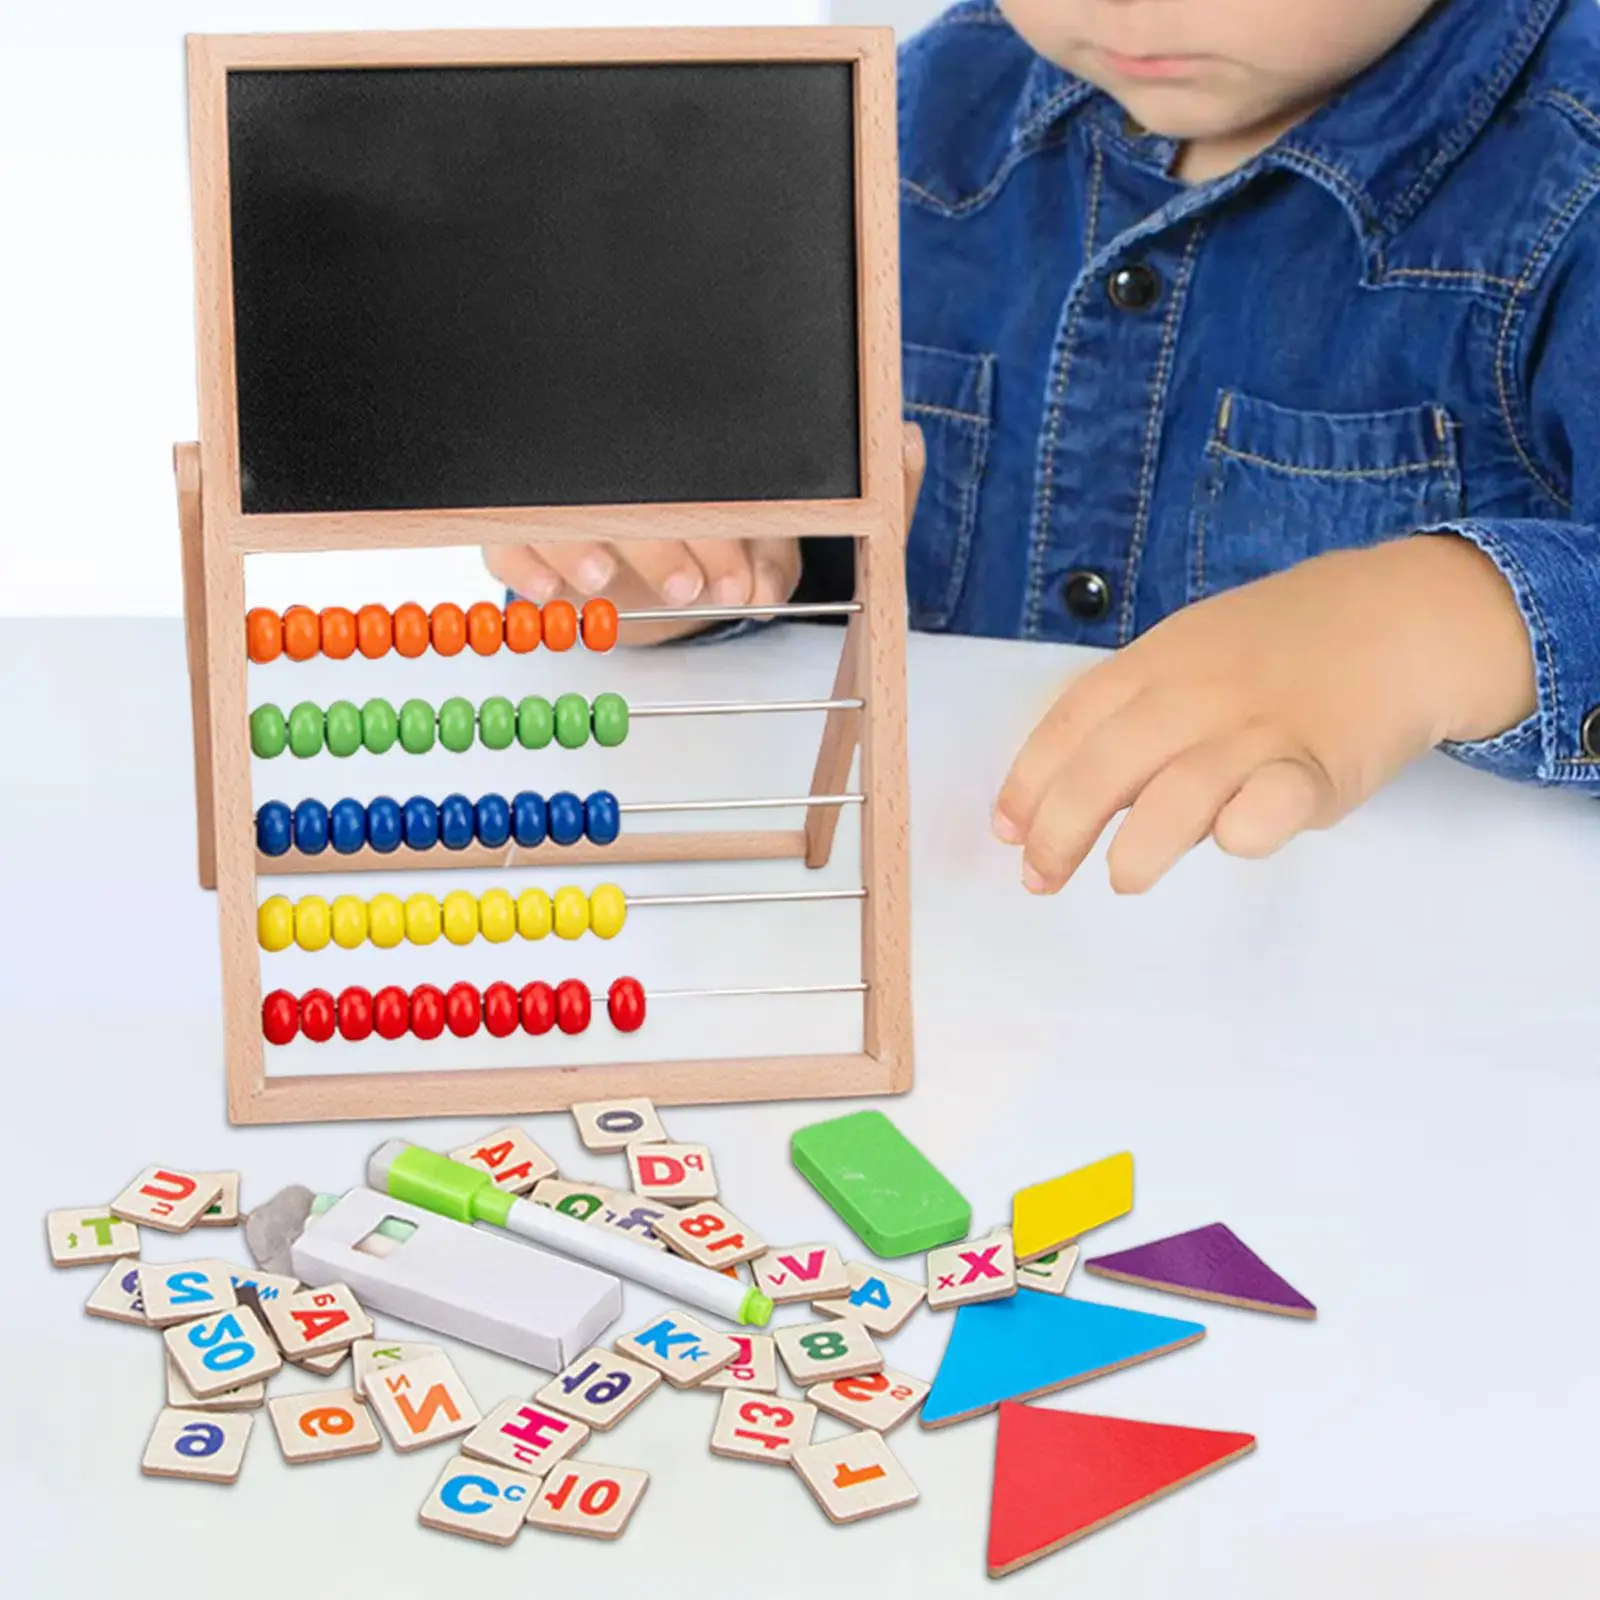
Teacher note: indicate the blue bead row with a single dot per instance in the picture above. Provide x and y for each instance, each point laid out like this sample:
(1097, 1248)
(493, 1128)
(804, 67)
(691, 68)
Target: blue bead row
(420, 824)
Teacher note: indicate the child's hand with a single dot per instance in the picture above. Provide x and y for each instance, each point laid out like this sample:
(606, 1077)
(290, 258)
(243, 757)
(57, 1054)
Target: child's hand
(641, 576)
(1270, 709)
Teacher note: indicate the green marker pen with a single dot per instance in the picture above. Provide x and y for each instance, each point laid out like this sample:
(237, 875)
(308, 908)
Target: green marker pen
(451, 1188)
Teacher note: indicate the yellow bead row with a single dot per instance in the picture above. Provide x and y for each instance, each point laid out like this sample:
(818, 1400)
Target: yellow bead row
(387, 920)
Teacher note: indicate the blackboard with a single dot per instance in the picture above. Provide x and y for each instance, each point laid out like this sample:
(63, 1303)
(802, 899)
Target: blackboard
(544, 286)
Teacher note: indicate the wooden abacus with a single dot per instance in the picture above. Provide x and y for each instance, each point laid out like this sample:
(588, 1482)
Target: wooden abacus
(271, 141)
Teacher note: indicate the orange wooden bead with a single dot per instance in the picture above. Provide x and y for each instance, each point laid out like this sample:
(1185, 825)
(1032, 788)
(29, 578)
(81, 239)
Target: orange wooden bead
(263, 633)
(522, 626)
(410, 629)
(302, 635)
(448, 627)
(338, 633)
(599, 624)
(560, 624)
(374, 630)
(485, 627)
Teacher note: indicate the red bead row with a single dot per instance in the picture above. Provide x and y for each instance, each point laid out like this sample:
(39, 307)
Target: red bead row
(427, 1011)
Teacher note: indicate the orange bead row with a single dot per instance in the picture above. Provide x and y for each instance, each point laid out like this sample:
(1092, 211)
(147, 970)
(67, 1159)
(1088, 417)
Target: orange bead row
(521, 626)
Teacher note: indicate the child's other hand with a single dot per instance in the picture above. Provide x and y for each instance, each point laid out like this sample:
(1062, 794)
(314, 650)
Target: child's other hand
(1268, 710)
(648, 575)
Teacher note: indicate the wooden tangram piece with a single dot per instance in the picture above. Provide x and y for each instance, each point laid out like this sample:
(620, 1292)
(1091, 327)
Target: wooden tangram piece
(1033, 1344)
(1059, 1475)
(1046, 1216)
(1210, 1263)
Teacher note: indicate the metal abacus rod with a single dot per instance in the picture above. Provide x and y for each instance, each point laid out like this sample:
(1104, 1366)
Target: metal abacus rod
(731, 708)
(858, 987)
(803, 608)
(773, 803)
(746, 898)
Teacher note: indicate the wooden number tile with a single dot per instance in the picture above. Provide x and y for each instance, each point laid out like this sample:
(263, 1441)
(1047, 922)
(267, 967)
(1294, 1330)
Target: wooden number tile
(752, 1427)
(314, 1321)
(223, 1212)
(1048, 1274)
(164, 1198)
(323, 1425)
(259, 1289)
(880, 1301)
(606, 1126)
(676, 1172)
(876, 1400)
(324, 1364)
(185, 1444)
(600, 1388)
(88, 1235)
(524, 1436)
(117, 1296)
(185, 1291)
(373, 1355)
(854, 1477)
(709, 1235)
(814, 1352)
(803, 1272)
(755, 1367)
(633, 1218)
(683, 1350)
(247, 1397)
(222, 1351)
(510, 1157)
(421, 1402)
(479, 1501)
(976, 1270)
(580, 1200)
(584, 1497)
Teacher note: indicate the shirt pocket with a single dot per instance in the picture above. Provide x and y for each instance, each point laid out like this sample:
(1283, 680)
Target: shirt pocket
(1280, 486)
(950, 396)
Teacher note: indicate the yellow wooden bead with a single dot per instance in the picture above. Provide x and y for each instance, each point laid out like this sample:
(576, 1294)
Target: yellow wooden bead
(533, 913)
(497, 916)
(422, 919)
(275, 923)
(460, 917)
(311, 922)
(572, 913)
(386, 921)
(349, 922)
(608, 910)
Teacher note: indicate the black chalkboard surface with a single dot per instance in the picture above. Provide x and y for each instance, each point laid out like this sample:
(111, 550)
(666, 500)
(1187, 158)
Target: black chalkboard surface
(544, 286)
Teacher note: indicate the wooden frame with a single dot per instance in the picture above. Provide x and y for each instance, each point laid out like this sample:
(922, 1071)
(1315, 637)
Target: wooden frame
(217, 536)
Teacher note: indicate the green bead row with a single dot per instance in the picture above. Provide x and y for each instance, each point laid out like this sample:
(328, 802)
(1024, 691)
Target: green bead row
(344, 728)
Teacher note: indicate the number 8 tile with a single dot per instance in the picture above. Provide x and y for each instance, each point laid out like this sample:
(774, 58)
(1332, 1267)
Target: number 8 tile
(817, 1351)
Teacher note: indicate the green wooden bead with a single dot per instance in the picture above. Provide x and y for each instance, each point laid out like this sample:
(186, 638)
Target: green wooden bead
(536, 722)
(268, 735)
(497, 722)
(306, 730)
(344, 729)
(417, 727)
(457, 724)
(572, 721)
(610, 719)
(380, 726)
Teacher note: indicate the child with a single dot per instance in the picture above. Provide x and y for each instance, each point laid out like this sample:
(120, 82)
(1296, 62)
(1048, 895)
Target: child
(1257, 338)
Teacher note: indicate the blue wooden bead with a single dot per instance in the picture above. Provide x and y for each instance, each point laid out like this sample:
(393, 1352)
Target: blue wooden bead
(421, 823)
(602, 817)
(384, 824)
(566, 818)
(457, 822)
(311, 827)
(347, 822)
(274, 829)
(494, 820)
(528, 819)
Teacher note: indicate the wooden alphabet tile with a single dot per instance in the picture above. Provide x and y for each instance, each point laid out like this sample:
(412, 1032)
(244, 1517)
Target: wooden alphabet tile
(223, 1212)
(374, 1355)
(479, 1501)
(972, 1271)
(580, 1200)
(168, 1199)
(88, 1235)
(676, 1172)
(116, 1297)
(854, 1477)
(524, 1436)
(633, 1218)
(600, 1388)
(186, 1444)
(606, 1126)
(510, 1157)
(325, 1364)
(681, 1348)
(709, 1235)
(801, 1272)
(323, 1425)
(753, 1427)
(312, 1322)
(1048, 1274)
(755, 1367)
(183, 1291)
(880, 1301)
(247, 1397)
(587, 1498)
(422, 1402)
(876, 1400)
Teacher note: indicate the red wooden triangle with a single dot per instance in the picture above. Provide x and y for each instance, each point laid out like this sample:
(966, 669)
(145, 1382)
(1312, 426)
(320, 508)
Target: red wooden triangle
(1061, 1474)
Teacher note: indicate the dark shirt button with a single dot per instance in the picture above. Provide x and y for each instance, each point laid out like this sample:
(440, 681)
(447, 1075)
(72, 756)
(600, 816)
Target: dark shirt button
(1134, 288)
(1087, 596)
(1591, 733)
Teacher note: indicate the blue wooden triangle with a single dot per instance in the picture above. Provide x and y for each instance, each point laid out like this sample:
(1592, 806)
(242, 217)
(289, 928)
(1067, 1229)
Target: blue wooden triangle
(1032, 1343)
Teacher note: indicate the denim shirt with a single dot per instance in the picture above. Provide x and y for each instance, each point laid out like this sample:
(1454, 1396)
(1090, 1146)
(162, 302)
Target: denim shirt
(1136, 392)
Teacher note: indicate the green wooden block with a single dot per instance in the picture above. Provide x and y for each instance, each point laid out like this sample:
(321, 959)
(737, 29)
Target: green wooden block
(891, 1196)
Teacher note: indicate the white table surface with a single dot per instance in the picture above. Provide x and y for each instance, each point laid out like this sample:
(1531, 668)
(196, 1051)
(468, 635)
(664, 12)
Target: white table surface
(1376, 1057)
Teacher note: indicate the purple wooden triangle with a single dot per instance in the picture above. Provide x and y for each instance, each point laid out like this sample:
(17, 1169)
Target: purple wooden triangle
(1210, 1263)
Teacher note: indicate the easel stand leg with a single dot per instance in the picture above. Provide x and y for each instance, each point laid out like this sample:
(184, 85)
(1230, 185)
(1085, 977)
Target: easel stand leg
(186, 469)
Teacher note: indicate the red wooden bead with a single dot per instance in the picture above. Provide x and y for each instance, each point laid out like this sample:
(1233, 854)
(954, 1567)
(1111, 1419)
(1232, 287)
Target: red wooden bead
(538, 1006)
(463, 1010)
(500, 1009)
(355, 1012)
(316, 1015)
(391, 1012)
(625, 1002)
(572, 1006)
(427, 1011)
(280, 1017)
